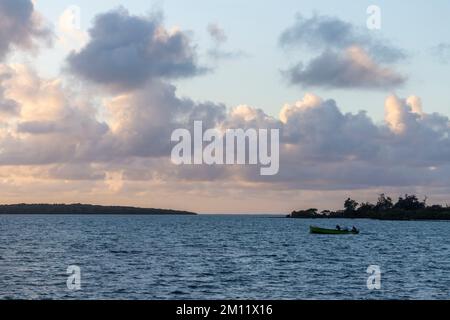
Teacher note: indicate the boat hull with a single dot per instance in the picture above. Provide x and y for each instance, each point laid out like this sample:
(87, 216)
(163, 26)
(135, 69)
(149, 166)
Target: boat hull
(317, 230)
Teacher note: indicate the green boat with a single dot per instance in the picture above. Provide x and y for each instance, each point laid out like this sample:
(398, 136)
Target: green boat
(317, 230)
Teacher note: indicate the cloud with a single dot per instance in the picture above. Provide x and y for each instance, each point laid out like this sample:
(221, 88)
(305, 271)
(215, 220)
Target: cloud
(126, 51)
(442, 52)
(8, 107)
(320, 132)
(117, 148)
(58, 136)
(217, 33)
(55, 125)
(353, 68)
(142, 122)
(70, 34)
(325, 149)
(219, 37)
(349, 57)
(322, 32)
(322, 148)
(422, 139)
(20, 26)
(399, 115)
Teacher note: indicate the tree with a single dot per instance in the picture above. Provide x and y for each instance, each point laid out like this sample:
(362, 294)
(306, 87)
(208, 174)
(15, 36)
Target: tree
(410, 202)
(366, 207)
(350, 205)
(436, 207)
(384, 203)
(312, 211)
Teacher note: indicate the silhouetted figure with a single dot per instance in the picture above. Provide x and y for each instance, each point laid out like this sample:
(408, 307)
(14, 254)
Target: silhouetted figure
(354, 229)
(338, 228)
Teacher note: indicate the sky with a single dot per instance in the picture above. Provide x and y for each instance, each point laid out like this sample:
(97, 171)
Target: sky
(254, 29)
(90, 92)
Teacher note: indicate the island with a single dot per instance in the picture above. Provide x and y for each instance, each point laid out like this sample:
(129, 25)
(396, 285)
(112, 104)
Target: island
(83, 209)
(408, 207)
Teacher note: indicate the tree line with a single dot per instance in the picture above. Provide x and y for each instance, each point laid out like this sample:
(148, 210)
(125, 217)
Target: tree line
(407, 207)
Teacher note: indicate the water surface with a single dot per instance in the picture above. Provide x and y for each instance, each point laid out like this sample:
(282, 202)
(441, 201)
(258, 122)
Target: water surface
(219, 257)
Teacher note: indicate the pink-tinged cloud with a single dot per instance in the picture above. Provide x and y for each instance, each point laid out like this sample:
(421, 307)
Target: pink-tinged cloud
(349, 57)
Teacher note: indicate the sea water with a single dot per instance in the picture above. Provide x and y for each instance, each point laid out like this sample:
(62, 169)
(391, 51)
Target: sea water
(219, 257)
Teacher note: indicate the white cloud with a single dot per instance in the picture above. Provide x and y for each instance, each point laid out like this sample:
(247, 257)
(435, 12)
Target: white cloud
(70, 34)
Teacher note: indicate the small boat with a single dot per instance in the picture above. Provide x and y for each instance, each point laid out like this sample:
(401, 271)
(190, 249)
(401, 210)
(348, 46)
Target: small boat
(317, 230)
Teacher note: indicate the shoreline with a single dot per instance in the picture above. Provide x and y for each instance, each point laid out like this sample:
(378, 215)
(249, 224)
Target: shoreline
(86, 209)
(373, 219)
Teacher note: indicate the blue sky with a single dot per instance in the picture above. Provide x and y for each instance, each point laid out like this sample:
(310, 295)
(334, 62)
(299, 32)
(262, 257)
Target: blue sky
(253, 27)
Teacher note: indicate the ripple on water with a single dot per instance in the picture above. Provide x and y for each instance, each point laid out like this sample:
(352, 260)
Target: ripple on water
(210, 257)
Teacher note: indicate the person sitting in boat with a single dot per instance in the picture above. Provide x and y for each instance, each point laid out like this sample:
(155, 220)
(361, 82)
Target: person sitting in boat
(354, 229)
(338, 228)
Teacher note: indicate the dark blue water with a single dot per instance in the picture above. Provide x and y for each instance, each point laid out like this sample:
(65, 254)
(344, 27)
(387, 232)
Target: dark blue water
(219, 257)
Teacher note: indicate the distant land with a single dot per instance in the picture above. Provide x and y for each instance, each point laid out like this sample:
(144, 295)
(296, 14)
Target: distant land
(78, 209)
(406, 208)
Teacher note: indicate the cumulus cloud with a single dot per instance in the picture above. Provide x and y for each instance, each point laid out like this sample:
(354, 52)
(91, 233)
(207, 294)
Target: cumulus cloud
(23, 28)
(353, 68)
(20, 26)
(399, 115)
(423, 139)
(349, 57)
(325, 149)
(126, 51)
(142, 122)
(59, 137)
(322, 148)
(325, 32)
(54, 126)
(318, 131)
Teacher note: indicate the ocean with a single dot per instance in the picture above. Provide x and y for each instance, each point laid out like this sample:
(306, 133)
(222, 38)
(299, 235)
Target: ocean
(220, 257)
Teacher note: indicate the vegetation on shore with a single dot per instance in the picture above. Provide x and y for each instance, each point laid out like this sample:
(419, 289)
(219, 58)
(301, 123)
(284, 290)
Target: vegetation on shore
(84, 209)
(408, 207)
